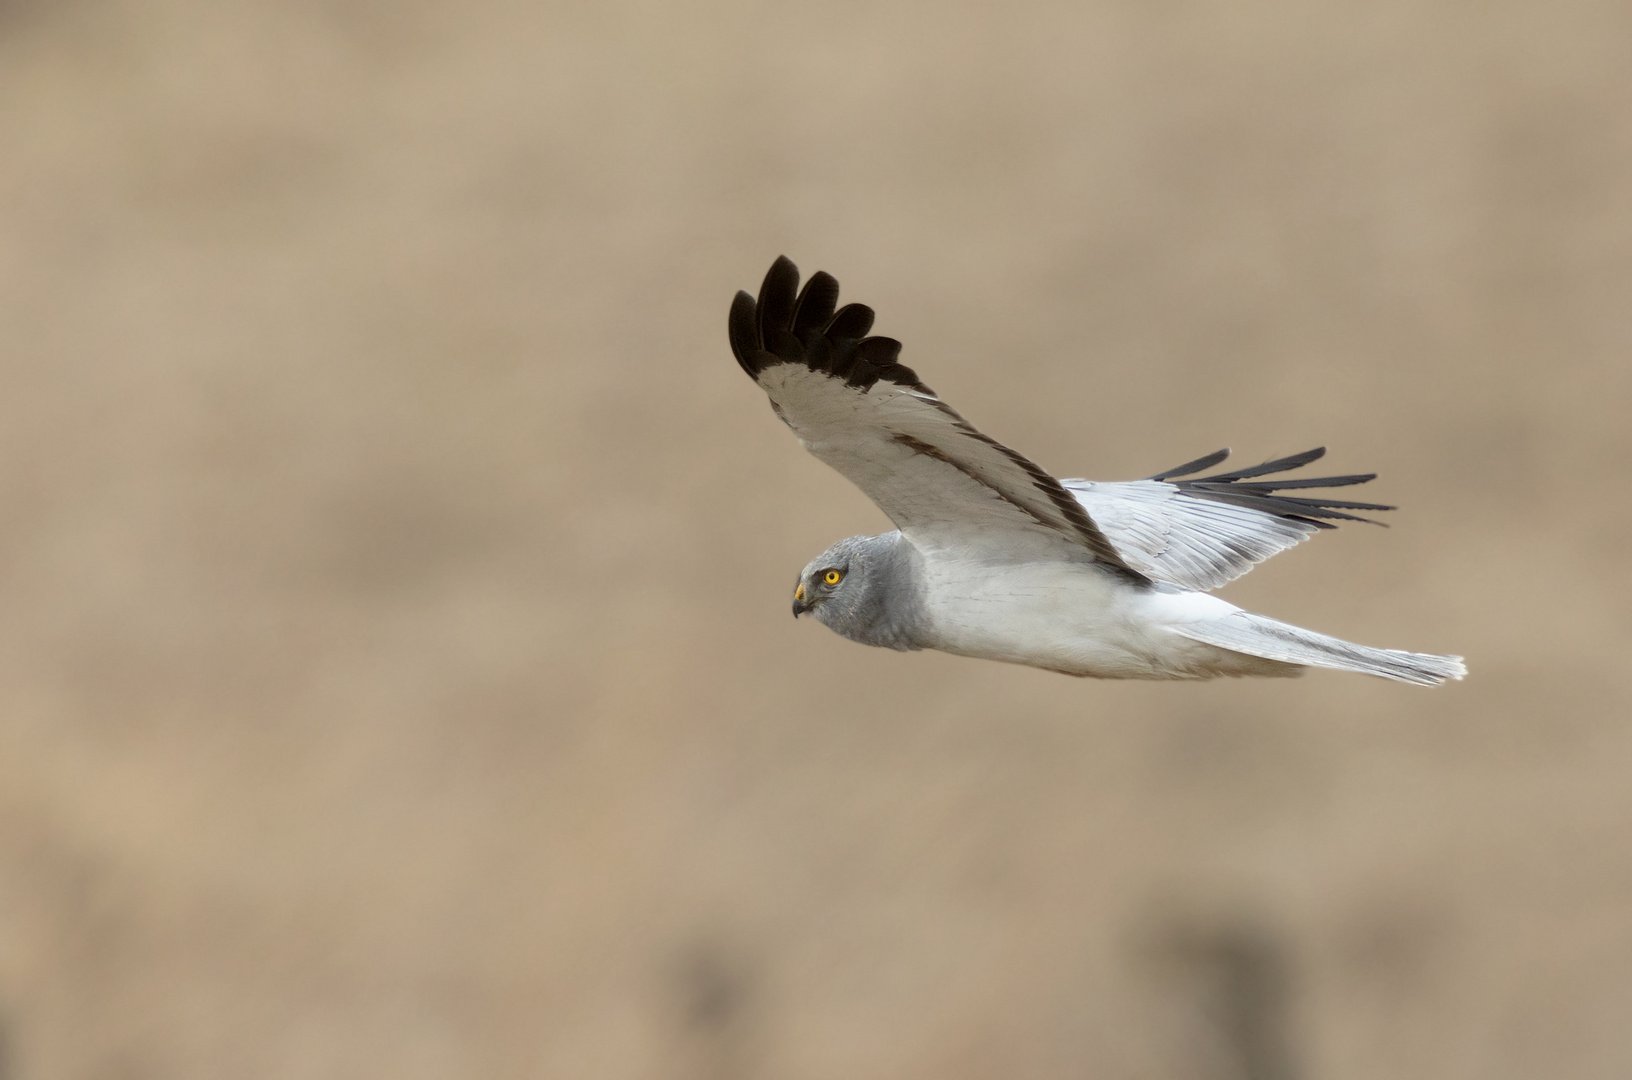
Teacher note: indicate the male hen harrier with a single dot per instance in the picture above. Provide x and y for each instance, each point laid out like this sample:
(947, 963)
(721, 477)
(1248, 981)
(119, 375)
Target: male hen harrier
(995, 558)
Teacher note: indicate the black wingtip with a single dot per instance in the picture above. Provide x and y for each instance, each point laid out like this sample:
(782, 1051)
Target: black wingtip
(1264, 495)
(787, 324)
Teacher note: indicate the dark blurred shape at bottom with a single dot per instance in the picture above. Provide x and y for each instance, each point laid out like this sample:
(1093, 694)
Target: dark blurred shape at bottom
(1222, 1001)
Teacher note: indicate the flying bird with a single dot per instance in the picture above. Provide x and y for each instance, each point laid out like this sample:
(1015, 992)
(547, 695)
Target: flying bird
(995, 558)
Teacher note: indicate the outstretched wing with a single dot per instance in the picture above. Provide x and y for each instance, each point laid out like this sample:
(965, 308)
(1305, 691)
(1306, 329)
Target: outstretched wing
(1201, 533)
(942, 482)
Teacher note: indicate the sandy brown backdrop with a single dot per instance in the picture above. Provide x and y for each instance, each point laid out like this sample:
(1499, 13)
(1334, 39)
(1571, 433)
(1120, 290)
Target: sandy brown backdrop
(396, 676)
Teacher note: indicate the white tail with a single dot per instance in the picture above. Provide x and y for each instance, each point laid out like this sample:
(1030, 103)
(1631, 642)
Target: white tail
(1244, 632)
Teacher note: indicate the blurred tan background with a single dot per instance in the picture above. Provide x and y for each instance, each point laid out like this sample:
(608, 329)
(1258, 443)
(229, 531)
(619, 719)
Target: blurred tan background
(396, 675)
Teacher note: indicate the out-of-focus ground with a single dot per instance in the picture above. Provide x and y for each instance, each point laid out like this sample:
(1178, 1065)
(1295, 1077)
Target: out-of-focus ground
(396, 676)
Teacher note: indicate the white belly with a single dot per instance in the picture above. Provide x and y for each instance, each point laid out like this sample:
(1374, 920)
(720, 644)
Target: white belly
(1075, 619)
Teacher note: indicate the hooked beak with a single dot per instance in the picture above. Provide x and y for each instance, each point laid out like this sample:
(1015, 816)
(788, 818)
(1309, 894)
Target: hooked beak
(800, 604)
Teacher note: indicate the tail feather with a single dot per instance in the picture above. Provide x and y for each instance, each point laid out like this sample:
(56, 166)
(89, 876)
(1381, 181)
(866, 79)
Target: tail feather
(1244, 632)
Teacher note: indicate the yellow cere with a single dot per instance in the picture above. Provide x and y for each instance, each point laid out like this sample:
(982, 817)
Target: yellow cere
(832, 577)
(799, 593)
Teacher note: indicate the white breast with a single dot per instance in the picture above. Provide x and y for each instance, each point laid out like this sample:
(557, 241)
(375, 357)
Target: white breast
(1075, 618)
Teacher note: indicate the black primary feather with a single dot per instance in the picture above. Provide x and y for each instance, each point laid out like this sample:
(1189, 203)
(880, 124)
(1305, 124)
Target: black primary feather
(787, 325)
(776, 299)
(745, 333)
(1285, 464)
(1261, 495)
(815, 305)
(1187, 468)
(852, 322)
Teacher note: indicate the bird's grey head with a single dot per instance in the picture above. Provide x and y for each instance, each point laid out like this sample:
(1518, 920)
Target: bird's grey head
(864, 588)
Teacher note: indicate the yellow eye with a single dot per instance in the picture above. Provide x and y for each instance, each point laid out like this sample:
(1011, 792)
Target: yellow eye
(833, 577)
